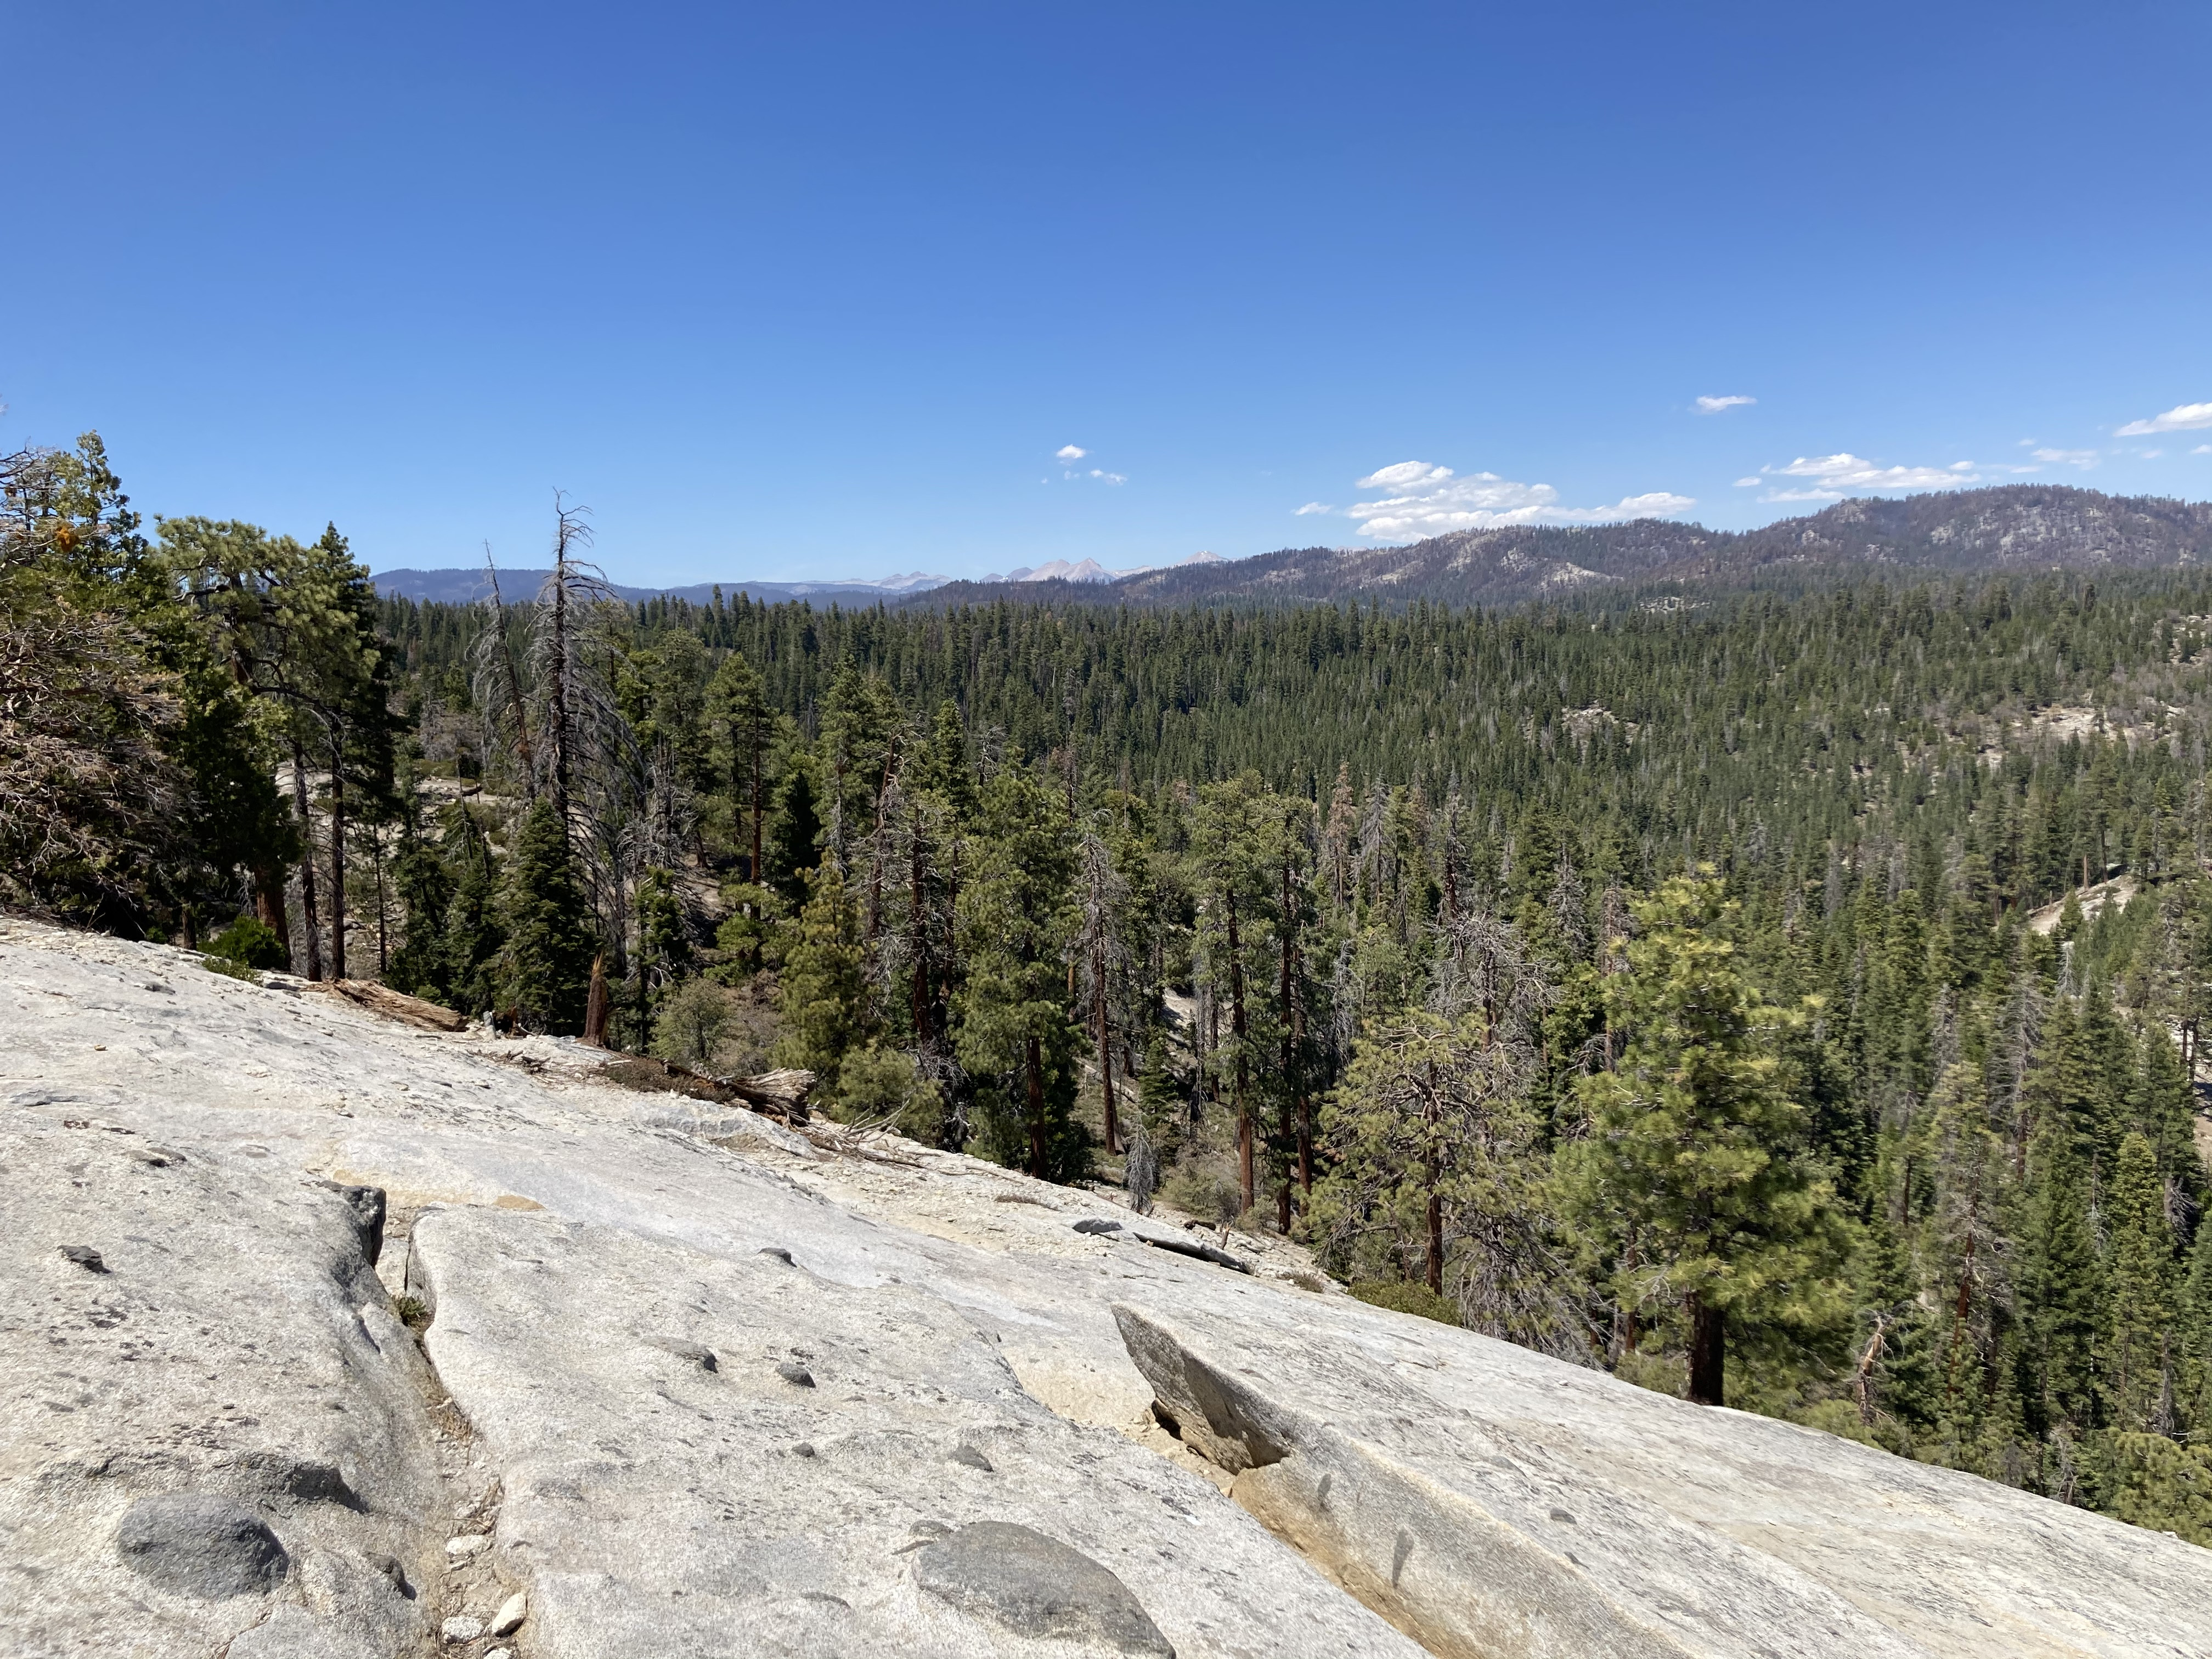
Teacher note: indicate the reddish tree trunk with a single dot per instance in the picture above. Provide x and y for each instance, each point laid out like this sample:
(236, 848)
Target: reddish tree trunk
(313, 926)
(1036, 1063)
(1708, 1353)
(1248, 1185)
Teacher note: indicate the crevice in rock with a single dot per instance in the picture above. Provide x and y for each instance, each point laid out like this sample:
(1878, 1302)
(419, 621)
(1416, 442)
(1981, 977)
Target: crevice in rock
(1436, 1566)
(467, 1583)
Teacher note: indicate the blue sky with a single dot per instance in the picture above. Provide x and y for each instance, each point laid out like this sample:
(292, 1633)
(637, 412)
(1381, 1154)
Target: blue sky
(826, 290)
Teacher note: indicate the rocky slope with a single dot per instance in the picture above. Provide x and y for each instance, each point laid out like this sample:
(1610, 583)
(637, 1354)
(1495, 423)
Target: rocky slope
(687, 1382)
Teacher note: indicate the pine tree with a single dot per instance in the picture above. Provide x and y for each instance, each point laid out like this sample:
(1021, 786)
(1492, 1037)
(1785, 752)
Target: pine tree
(820, 997)
(2061, 1286)
(545, 970)
(794, 843)
(2138, 1358)
(1017, 1035)
(473, 936)
(1695, 1150)
(420, 966)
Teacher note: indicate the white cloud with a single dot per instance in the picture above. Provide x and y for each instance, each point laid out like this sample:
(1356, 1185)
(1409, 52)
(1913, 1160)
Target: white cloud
(1748, 484)
(2183, 417)
(1107, 477)
(2202, 449)
(1845, 471)
(2151, 454)
(1314, 507)
(1425, 500)
(1803, 495)
(1715, 405)
(2084, 458)
(1068, 455)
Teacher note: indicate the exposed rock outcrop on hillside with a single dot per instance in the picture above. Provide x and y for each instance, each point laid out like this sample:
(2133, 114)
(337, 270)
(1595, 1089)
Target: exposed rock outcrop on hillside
(688, 1383)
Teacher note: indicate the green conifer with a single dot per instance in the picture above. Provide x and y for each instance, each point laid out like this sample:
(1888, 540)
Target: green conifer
(545, 970)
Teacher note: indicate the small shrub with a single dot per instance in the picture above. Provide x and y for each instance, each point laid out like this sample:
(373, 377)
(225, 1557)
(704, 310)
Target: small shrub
(251, 942)
(1404, 1296)
(879, 1084)
(413, 1313)
(1208, 1194)
(692, 1019)
(229, 969)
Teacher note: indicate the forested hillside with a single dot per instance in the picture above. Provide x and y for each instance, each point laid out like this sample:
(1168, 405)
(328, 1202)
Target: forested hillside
(2025, 528)
(1790, 1001)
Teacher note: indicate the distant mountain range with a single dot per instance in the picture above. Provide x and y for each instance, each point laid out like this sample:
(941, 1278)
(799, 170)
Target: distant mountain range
(2019, 527)
(465, 587)
(2026, 528)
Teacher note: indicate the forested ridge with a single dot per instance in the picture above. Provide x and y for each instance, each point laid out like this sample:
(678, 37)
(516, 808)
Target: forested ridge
(1786, 1000)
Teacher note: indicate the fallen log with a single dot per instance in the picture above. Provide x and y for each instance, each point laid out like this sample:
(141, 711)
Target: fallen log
(394, 1005)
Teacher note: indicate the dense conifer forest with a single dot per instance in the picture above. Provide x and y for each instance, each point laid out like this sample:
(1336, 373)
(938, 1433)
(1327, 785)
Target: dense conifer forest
(1786, 1000)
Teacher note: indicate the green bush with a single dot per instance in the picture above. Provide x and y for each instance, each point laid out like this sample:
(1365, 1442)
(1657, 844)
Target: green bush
(1403, 1296)
(1208, 1194)
(692, 1019)
(879, 1084)
(250, 943)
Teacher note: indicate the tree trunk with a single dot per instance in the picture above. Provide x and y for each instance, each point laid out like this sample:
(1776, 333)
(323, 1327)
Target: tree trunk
(1708, 1353)
(1105, 1044)
(337, 860)
(597, 1008)
(1289, 1130)
(1034, 1061)
(918, 933)
(1246, 1174)
(313, 927)
(383, 910)
(268, 901)
(1436, 1237)
(755, 877)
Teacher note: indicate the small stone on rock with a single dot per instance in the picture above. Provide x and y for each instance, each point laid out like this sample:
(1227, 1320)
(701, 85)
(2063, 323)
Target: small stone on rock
(803, 1448)
(1098, 1225)
(512, 1612)
(972, 1458)
(462, 1628)
(85, 1256)
(795, 1374)
(467, 1548)
(779, 1253)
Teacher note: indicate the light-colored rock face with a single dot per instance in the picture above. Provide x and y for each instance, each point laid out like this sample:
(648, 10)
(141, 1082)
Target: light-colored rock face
(207, 1409)
(703, 1453)
(929, 1431)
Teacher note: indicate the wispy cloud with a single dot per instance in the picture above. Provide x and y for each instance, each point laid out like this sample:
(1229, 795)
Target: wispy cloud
(2084, 458)
(2202, 449)
(1068, 455)
(1833, 477)
(1314, 507)
(1715, 405)
(2183, 417)
(1422, 499)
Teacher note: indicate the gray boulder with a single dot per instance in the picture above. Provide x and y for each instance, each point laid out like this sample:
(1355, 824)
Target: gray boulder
(1037, 1586)
(199, 1545)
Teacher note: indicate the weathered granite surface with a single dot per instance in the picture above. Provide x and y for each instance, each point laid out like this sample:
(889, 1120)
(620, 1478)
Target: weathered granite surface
(703, 1454)
(209, 1414)
(625, 1425)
